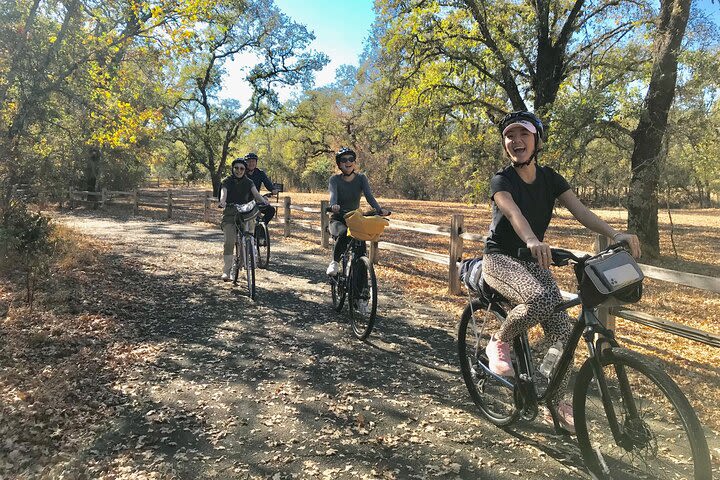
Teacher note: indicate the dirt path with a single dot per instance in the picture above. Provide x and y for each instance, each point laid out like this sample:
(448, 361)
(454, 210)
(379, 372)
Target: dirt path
(220, 387)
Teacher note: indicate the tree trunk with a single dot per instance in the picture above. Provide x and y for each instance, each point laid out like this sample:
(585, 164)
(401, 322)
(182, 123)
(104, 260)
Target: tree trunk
(216, 181)
(648, 136)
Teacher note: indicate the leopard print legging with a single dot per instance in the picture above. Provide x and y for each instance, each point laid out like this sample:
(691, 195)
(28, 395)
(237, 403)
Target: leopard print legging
(535, 293)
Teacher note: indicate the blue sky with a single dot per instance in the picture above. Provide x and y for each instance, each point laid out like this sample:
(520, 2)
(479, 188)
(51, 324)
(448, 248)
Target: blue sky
(340, 28)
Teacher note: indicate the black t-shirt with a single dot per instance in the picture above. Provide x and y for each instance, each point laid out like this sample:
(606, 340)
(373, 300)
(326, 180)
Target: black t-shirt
(535, 200)
(239, 190)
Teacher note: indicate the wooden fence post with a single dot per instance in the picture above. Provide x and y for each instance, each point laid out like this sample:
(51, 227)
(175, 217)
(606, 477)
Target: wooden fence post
(206, 208)
(169, 203)
(71, 200)
(456, 251)
(287, 216)
(324, 222)
(103, 197)
(135, 202)
(373, 253)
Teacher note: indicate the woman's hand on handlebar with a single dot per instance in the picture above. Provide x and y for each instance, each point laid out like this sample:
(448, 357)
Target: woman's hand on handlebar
(541, 251)
(335, 208)
(222, 204)
(631, 241)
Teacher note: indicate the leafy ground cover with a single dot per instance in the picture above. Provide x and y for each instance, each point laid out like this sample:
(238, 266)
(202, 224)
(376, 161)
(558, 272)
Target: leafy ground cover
(137, 363)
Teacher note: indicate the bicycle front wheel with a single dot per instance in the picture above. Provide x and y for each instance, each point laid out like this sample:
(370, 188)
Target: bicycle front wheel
(659, 436)
(250, 266)
(262, 239)
(494, 398)
(362, 299)
(337, 288)
(237, 261)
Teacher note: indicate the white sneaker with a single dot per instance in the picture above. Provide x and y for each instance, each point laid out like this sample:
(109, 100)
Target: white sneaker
(333, 268)
(225, 277)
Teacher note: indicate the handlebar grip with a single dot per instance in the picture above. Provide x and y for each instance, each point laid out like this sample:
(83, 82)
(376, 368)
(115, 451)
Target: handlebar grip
(525, 254)
(559, 257)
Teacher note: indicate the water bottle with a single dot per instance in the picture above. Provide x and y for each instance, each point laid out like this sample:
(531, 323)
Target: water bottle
(552, 357)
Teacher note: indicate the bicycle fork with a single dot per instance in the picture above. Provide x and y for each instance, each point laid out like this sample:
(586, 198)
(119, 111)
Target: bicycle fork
(595, 348)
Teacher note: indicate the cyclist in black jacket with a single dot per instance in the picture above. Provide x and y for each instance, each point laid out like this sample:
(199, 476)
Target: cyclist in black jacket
(259, 177)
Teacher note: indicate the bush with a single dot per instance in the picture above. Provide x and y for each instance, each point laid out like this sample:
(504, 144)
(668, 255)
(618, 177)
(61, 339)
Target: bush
(26, 244)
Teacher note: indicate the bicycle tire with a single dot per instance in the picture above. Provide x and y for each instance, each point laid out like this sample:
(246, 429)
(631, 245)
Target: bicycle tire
(362, 315)
(495, 400)
(250, 266)
(263, 251)
(337, 288)
(650, 436)
(236, 261)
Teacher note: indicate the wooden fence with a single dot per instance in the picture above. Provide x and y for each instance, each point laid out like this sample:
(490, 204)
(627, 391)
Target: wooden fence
(171, 200)
(456, 234)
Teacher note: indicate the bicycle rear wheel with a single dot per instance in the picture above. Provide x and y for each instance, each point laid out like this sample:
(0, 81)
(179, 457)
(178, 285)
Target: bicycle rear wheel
(262, 240)
(660, 434)
(250, 265)
(494, 399)
(362, 301)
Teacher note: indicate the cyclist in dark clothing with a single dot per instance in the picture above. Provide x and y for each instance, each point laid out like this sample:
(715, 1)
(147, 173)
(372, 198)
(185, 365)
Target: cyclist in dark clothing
(238, 189)
(259, 177)
(523, 196)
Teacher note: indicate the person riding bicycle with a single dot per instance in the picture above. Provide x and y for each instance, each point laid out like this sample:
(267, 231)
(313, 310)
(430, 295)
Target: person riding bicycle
(236, 188)
(345, 190)
(259, 177)
(523, 195)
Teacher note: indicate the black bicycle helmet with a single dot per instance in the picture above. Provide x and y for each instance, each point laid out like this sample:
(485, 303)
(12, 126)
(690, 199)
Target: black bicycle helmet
(343, 152)
(251, 156)
(238, 160)
(522, 116)
(531, 123)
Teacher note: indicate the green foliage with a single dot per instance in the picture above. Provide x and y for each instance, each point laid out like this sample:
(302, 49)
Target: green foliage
(317, 172)
(27, 244)
(100, 94)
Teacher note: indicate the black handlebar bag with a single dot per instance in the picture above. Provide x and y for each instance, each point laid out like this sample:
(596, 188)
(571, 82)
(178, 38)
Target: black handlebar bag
(610, 279)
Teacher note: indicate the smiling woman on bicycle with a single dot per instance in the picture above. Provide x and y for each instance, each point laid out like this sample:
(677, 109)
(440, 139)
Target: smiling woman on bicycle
(523, 195)
(345, 190)
(236, 188)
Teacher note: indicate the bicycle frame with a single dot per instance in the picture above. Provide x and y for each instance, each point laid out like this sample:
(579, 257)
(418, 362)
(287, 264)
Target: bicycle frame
(356, 248)
(242, 237)
(595, 334)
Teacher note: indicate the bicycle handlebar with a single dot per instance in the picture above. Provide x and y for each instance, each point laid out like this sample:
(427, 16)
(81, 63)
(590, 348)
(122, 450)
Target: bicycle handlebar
(561, 257)
(368, 213)
(230, 204)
